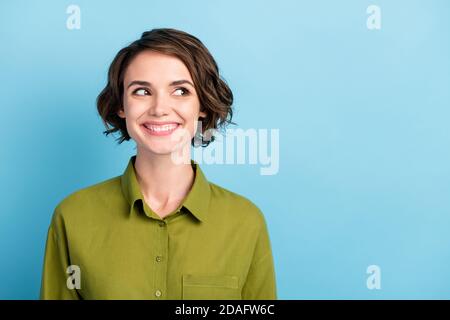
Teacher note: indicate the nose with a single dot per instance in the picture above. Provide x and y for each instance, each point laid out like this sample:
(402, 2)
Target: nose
(159, 106)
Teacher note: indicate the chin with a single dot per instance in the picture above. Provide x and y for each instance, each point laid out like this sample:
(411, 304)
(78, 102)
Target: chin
(152, 146)
(160, 149)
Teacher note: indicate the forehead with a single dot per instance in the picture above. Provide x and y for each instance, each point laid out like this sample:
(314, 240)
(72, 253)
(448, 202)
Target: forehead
(156, 67)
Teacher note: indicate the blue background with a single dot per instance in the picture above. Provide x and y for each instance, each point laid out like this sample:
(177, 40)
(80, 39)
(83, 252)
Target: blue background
(363, 116)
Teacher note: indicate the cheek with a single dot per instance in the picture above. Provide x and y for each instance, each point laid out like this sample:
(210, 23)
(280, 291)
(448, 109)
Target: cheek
(131, 115)
(133, 108)
(190, 121)
(190, 111)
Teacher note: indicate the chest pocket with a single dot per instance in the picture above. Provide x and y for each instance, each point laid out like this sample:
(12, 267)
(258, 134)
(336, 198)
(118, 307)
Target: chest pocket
(207, 287)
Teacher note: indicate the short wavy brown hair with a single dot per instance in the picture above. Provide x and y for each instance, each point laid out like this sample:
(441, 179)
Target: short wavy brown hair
(215, 97)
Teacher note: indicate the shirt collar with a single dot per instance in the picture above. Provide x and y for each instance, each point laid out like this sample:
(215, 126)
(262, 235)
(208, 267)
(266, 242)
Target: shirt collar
(197, 200)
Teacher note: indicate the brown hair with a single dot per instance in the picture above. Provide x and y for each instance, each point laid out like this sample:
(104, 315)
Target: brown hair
(214, 94)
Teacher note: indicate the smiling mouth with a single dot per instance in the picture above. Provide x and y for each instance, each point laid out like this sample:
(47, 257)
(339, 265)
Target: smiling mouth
(160, 130)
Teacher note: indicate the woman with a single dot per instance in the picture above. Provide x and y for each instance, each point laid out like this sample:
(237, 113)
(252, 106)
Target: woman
(160, 230)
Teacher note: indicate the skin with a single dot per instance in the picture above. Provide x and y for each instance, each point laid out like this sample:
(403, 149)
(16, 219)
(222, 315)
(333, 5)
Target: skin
(164, 182)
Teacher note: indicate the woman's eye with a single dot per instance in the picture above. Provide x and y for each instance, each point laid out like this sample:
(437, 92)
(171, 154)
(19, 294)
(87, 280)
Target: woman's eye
(183, 91)
(140, 92)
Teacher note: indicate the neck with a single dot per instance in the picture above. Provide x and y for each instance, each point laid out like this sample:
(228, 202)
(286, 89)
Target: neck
(161, 179)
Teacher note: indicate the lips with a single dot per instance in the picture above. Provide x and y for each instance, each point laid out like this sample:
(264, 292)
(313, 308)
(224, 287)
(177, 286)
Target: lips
(160, 128)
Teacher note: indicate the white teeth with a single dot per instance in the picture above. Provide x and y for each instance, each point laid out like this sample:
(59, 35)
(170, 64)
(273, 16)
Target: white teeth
(166, 127)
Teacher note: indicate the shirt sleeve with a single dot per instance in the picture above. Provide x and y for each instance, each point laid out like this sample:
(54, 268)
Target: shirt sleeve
(56, 261)
(260, 283)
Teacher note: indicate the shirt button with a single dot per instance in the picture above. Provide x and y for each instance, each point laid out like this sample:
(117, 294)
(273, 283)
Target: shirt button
(162, 224)
(158, 293)
(158, 258)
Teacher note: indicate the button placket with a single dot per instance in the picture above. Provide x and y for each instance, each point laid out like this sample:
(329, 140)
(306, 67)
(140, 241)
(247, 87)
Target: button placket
(160, 261)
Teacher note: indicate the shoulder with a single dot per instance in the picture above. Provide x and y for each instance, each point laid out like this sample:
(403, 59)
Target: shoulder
(88, 199)
(235, 205)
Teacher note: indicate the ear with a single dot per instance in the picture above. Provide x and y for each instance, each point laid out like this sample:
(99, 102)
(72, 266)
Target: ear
(202, 114)
(121, 113)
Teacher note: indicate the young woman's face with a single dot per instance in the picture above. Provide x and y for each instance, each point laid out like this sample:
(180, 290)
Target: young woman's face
(159, 102)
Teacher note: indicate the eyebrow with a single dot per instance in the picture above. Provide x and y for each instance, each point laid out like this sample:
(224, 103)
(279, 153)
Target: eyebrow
(148, 84)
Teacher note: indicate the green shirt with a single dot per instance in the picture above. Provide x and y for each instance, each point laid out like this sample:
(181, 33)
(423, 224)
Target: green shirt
(214, 246)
